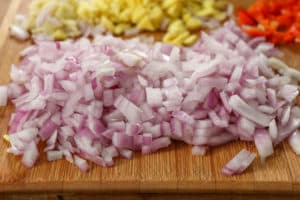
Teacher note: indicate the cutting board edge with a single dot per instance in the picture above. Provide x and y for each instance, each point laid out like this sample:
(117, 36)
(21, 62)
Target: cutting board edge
(152, 187)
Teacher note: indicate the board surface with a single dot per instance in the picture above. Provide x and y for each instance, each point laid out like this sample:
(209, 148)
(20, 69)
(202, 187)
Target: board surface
(174, 169)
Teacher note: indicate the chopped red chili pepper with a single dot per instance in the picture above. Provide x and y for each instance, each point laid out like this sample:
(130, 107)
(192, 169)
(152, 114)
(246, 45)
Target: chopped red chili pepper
(245, 18)
(277, 20)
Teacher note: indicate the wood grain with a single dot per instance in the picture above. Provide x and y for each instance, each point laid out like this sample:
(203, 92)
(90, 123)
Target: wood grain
(173, 170)
(149, 197)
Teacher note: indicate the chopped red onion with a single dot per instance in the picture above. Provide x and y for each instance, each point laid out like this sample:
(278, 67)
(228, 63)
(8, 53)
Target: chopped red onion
(96, 100)
(154, 96)
(128, 109)
(246, 127)
(288, 92)
(183, 117)
(47, 130)
(263, 143)
(19, 33)
(27, 135)
(30, 154)
(54, 155)
(207, 123)
(273, 131)
(285, 116)
(3, 95)
(199, 150)
(249, 112)
(126, 153)
(294, 141)
(160, 143)
(239, 163)
(81, 164)
(283, 69)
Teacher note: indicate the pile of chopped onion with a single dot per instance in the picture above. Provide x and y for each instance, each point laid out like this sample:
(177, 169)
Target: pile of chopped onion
(94, 101)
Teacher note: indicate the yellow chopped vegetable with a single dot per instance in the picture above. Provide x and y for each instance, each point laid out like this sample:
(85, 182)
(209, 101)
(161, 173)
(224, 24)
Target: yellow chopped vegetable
(175, 10)
(138, 13)
(107, 24)
(193, 24)
(125, 15)
(181, 38)
(190, 40)
(120, 28)
(145, 24)
(86, 11)
(52, 18)
(59, 35)
(168, 3)
(62, 19)
(6, 137)
(176, 26)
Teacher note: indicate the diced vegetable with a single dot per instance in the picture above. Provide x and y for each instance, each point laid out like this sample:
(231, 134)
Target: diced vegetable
(239, 163)
(276, 20)
(88, 103)
(59, 20)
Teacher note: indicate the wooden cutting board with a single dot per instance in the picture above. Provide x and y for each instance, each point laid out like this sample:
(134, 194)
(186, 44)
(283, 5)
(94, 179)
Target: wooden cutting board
(173, 169)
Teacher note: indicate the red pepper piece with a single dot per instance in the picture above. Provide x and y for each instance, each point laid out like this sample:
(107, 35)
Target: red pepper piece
(256, 32)
(245, 18)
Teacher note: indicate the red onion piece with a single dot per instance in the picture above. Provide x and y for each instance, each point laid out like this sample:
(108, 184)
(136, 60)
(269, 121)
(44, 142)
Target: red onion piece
(294, 141)
(3, 95)
(81, 164)
(249, 112)
(273, 130)
(30, 155)
(239, 163)
(19, 33)
(199, 150)
(288, 92)
(128, 109)
(263, 143)
(54, 155)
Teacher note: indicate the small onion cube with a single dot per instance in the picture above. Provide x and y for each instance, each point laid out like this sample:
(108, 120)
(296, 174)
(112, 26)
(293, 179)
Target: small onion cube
(126, 153)
(54, 155)
(154, 96)
(199, 150)
(81, 164)
(30, 155)
(3, 95)
(263, 143)
(159, 143)
(128, 109)
(294, 141)
(239, 163)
